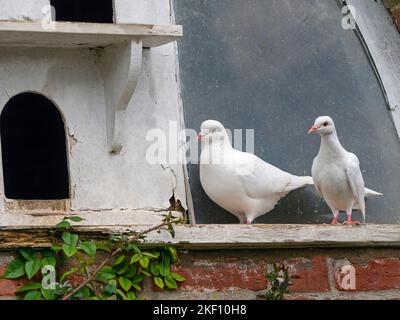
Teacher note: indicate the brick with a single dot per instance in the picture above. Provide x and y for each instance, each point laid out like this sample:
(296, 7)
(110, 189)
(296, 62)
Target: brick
(8, 288)
(345, 276)
(379, 274)
(75, 280)
(311, 275)
(220, 275)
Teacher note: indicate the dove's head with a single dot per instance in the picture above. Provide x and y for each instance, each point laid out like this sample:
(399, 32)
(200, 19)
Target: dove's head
(211, 131)
(323, 125)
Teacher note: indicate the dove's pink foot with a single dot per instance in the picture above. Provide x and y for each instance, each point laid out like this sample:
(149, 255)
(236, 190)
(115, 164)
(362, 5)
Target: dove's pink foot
(248, 221)
(350, 222)
(334, 221)
(335, 218)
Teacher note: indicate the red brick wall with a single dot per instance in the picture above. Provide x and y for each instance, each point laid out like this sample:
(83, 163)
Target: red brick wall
(319, 274)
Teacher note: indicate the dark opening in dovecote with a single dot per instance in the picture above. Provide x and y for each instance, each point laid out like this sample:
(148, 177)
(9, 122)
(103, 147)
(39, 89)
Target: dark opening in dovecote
(97, 11)
(34, 149)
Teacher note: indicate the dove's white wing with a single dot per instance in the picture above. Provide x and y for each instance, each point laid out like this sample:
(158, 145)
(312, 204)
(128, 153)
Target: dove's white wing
(356, 180)
(314, 174)
(261, 179)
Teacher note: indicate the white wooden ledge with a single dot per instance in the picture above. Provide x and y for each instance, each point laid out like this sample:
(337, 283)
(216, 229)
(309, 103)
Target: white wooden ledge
(209, 237)
(87, 35)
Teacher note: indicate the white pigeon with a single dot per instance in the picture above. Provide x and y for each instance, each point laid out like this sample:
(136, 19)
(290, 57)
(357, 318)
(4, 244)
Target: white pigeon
(240, 182)
(337, 175)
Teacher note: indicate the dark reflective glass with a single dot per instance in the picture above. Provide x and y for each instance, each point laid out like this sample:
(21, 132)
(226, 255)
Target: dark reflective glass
(274, 66)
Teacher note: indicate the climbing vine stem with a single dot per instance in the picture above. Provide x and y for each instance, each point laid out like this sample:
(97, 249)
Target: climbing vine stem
(120, 275)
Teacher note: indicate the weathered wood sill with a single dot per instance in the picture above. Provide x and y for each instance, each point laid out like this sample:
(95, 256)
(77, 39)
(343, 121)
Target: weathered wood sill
(209, 237)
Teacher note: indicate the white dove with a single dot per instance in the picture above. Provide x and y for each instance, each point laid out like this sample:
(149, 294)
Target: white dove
(337, 175)
(240, 182)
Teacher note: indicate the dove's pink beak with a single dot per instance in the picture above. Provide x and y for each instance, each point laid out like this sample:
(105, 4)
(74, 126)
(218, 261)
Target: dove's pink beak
(313, 129)
(200, 136)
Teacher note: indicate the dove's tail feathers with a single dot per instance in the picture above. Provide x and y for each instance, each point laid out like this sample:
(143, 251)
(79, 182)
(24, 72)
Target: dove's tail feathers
(360, 205)
(305, 181)
(362, 208)
(299, 182)
(372, 193)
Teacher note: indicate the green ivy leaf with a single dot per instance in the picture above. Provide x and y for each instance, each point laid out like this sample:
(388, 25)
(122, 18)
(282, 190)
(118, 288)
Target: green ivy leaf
(69, 251)
(173, 253)
(89, 247)
(30, 286)
(125, 283)
(159, 282)
(150, 255)
(165, 268)
(70, 244)
(48, 294)
(137, 279)
(83, 293)
(178, 277)
(32, 267)
(155, 269)
(28, 254)
(135, 258)
(122, 294)
(70, 238)
(15, 269)
(63, 225)
(119, 260)
(136, 286)
(105, 274)
(144, 261)
(130, 272)
(103, 246)
(49, 261)
(33, 295)
(170, 282)
(75, 218)
(107, 270)
(56, 248)
(122, 267)
(67, 274)
(134, 248)
(104, 277)
(131, 296)
(145, 273)
(111, 287)
(171, 230)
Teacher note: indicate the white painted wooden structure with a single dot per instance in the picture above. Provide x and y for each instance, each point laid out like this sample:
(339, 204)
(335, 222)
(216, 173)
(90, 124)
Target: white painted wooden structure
(112, 83)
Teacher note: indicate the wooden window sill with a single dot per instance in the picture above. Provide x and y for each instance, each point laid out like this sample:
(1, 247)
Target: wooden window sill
(209, 237)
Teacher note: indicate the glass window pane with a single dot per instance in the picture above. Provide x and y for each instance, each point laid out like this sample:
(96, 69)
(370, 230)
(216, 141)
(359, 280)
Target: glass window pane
(274, 66)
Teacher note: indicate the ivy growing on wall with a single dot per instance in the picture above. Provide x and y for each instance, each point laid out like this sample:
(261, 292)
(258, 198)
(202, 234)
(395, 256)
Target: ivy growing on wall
(279, 282)
(120, 275)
